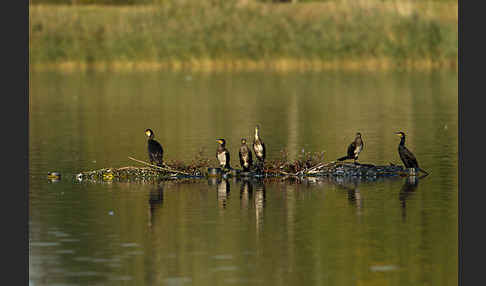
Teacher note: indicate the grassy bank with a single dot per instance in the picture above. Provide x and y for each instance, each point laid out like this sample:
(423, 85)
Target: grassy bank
(245, 35)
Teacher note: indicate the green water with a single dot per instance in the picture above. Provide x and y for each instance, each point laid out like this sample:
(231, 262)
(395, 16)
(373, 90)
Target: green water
(203, 232)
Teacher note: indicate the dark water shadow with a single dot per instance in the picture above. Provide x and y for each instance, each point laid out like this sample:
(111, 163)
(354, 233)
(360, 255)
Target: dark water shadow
(410, 185)
(246, 193)
(353, 194)
(156, 200)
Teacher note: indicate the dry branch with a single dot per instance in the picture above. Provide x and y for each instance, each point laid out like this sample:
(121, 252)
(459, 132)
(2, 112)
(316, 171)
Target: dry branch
(166, 168)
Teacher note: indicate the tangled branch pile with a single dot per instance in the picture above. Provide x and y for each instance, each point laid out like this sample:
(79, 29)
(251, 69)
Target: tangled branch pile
(306, 164)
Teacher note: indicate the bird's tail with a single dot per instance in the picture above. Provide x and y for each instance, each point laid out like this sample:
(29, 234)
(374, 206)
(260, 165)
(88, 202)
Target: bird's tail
(422, 170)
(343, 158)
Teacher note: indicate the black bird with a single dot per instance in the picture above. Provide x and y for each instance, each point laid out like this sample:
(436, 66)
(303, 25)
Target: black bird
(222, 154)
(354, 148)
(259, 146)
(155, 151)
(246, 159)
(407, 157)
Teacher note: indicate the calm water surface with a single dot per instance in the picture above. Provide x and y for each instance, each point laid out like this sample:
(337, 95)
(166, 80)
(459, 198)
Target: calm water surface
(234, 232)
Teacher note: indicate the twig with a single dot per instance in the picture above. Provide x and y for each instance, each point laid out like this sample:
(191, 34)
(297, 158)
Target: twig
(160, 168)
(129, 168)
(280, 172)
(318, 166)
(287, 174)
(311, 170)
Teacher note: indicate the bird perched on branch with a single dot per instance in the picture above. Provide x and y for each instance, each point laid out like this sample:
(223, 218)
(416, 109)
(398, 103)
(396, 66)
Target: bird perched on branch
(222, 154)
(246, 159)
(406, 156)
(354, 148)
(155, 151)
(259, 146)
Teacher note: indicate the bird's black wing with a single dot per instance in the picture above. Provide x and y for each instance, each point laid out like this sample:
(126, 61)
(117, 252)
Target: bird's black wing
(407, 157)
(264, 152)
(412, 161)
(158, 159)
(227, 157)
(155, 151)
(241, 158)
(351, 149)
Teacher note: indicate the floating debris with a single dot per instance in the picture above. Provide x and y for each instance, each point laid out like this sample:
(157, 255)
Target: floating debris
(54, 176)
(383, 268)
(306, 165)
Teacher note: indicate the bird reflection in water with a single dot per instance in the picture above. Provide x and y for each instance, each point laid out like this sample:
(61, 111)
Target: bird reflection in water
(253, 190)
(354, 198)
(212, 181)
(156, 198)
(409, 186)
(223, 189)
(259, 204)
(246, 193)
(354, 195)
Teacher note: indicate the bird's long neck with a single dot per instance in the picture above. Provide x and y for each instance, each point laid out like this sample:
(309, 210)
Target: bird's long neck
(402, 141)
(256, 135)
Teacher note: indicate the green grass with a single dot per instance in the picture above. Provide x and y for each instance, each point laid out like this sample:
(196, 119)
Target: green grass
(396, 32)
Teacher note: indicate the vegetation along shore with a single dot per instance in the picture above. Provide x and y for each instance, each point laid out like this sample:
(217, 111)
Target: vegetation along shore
(245, 35)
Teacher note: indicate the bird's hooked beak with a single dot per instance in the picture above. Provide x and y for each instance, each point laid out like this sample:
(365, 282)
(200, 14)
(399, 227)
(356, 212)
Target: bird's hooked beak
(219, 141)
(399, 134)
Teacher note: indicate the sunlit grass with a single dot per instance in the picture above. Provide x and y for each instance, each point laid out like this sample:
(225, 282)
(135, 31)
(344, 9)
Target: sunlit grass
(220, 35)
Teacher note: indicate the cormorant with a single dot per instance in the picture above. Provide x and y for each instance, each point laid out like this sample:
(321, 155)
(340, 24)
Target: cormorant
(259, 146)
(246, 159)
(155, 151)
(354, 148)
(407, 157)
(222, 154)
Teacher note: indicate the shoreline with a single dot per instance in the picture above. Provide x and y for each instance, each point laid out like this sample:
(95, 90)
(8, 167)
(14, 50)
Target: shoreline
(226, 36)
(280, 65)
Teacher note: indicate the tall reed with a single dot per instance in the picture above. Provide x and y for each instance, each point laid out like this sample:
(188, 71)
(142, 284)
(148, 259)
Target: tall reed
(212, 31)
